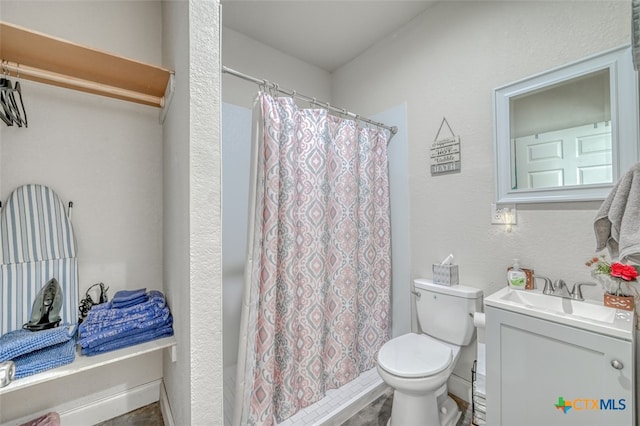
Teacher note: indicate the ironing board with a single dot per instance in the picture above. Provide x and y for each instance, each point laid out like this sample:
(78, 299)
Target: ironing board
(36, 244)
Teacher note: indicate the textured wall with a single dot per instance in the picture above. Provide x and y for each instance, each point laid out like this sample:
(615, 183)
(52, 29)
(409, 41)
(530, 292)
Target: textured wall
(206, 214)
(445, 63)
(192, 185)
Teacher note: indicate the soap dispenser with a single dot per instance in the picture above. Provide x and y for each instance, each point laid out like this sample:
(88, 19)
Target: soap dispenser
(516, 278)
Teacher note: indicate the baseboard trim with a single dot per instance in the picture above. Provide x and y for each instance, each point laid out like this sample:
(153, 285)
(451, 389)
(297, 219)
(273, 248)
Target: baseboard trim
(112, 406)
(459, 387)
(165, 407)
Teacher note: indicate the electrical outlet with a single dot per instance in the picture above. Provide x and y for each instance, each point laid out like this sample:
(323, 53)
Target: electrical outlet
(503, 214)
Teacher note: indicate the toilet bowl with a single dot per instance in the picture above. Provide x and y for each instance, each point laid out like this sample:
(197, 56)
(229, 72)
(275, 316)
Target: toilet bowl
(418, 366)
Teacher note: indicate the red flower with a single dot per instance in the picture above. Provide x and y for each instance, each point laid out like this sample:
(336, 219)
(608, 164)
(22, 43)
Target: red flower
(626, 272)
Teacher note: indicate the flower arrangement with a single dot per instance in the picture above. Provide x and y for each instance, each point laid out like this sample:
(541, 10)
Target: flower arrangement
(616, 278)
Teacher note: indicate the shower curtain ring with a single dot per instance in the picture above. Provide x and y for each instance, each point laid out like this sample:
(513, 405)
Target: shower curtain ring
(265, 85)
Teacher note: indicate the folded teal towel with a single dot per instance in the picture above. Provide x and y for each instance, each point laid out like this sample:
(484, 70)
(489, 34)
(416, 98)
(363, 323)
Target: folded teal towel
(20, 342)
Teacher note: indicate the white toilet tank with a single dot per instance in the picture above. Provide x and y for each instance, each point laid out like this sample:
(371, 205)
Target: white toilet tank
(446, 312)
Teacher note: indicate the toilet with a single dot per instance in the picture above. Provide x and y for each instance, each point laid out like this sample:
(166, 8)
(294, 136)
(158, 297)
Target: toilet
(417, 366)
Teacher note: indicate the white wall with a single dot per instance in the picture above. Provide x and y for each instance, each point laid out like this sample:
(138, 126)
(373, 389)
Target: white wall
(256, 59)
(445, 63)
(105, 155)
(192, 205)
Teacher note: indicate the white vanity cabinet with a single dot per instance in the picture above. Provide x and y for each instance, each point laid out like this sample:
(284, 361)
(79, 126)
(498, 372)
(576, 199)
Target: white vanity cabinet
(534, 365)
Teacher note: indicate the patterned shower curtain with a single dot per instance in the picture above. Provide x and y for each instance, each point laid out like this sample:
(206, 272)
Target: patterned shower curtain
(317, 283)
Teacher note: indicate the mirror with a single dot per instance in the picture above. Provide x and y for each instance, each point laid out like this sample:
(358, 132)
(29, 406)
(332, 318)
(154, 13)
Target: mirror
(567, 134)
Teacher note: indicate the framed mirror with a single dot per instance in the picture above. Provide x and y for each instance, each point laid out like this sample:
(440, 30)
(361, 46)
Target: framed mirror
(569, 133)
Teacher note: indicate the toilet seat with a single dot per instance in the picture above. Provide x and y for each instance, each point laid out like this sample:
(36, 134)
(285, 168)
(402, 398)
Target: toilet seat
(414, 355)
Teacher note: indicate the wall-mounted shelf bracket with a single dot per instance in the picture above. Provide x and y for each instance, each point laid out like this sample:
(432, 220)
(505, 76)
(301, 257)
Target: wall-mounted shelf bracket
(168, 97)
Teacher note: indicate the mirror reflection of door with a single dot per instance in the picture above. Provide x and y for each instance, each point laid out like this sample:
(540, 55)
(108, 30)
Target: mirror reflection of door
(578, 155)
(562, 134)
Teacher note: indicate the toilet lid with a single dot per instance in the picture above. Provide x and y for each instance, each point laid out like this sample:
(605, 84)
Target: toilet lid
(414, 355)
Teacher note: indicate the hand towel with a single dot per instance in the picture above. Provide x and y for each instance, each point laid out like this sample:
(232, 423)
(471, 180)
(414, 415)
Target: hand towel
(617, 223)
(20, 342)
(126, 298)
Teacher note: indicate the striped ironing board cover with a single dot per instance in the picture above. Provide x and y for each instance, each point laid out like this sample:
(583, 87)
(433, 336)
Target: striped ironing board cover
(36, 244)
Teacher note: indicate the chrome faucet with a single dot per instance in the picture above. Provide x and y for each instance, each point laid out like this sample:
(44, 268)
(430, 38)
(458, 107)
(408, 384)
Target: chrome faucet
(559, 288)
(548, 286)
(576, 291)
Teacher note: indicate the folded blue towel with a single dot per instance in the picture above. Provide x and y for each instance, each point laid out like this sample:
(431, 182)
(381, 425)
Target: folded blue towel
(20, 342)
(126, 298)
(127, 303)
(155, 298)
(101, 317)
(93, 327)
(124, 295)
(45, 358)
(126, 341)
(125, 330)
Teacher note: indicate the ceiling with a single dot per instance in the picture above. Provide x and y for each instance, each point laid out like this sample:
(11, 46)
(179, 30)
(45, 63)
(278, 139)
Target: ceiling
(324, 33)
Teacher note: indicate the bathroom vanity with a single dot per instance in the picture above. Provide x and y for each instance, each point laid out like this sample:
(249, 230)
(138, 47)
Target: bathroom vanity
(558, 361)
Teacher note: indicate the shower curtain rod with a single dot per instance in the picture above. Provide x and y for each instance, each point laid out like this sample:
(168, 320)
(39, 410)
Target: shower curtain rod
(313, 101)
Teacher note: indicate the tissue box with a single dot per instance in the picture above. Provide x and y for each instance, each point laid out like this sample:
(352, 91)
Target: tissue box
(445, 274)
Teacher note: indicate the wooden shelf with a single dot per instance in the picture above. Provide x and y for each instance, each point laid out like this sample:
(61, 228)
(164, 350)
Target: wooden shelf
(84, 363)
(39, 57)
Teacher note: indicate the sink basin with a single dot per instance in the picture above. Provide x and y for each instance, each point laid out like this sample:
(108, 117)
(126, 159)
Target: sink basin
(561, 305)
(587, 314)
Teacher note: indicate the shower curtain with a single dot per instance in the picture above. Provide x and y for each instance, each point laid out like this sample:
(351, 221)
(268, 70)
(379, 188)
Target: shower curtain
(317, 282)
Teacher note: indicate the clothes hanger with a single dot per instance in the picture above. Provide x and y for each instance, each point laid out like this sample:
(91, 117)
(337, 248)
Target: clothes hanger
(18, 90)
(6, 114)
(9, 100)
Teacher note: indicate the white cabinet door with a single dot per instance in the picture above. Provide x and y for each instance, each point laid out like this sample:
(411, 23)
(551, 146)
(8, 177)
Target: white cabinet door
(543, 373)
